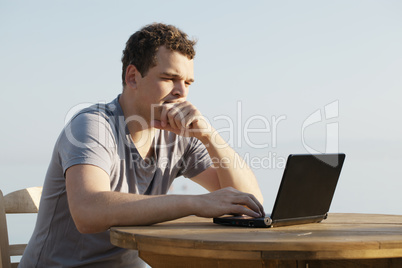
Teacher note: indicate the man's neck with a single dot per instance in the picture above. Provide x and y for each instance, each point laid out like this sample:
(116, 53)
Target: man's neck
(140, 129)
(143, 141)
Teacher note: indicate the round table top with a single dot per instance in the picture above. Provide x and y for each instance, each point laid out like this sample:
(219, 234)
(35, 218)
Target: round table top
(339, 236)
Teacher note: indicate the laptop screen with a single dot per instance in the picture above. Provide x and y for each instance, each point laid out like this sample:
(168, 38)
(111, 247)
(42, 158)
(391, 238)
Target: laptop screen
(307, 186)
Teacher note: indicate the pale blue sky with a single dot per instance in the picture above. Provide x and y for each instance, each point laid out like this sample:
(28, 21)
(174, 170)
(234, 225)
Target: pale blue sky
(277, 58)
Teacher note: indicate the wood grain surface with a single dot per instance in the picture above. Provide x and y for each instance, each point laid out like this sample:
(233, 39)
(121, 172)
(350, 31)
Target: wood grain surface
(339, 238)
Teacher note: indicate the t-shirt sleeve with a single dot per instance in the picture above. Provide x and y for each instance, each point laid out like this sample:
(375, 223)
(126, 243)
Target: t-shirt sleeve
(196, 159)
(87, 139)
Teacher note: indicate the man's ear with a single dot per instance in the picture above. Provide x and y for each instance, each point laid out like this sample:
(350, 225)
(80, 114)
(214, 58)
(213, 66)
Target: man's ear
(132, 74)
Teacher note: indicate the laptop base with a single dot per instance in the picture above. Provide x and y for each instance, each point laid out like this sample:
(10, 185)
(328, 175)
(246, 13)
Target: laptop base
(246, 221)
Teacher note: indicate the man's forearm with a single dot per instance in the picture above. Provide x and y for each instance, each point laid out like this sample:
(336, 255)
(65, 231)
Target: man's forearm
(94, 208)
(232, 170)
(105, 209)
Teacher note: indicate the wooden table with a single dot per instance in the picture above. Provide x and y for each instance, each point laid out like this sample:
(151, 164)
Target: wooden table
(343, 240)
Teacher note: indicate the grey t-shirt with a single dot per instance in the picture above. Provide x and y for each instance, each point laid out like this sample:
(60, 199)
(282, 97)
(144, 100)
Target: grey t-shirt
(99, 136)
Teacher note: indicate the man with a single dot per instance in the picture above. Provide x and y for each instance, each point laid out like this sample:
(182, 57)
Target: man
(113, 164)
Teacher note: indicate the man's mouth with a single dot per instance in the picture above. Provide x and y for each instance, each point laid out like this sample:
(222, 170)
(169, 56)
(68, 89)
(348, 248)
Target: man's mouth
(171, 101)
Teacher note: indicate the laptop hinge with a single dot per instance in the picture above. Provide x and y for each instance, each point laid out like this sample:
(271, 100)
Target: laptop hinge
(301, 220)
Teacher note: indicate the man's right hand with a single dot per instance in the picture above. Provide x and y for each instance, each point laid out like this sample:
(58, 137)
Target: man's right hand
(181, 118)
(228, 201)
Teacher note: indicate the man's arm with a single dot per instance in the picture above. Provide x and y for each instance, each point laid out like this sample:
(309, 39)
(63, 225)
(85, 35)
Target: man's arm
(95, 208)
(229, 169)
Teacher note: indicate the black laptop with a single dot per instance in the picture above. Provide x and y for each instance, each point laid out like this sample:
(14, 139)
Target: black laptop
(305, 193)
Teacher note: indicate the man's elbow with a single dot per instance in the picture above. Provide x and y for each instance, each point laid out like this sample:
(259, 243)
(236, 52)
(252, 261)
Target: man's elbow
(89, 228)
(88, 223)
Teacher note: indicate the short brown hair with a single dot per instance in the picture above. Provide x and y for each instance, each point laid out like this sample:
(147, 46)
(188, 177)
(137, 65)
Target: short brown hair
(142, 46)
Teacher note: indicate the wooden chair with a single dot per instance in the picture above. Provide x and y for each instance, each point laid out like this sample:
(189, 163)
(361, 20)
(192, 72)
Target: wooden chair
(21, 201)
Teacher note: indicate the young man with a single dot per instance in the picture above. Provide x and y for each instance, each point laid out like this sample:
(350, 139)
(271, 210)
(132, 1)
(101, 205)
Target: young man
(113, 164)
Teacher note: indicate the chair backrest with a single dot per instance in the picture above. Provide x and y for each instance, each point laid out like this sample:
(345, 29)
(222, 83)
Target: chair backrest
(21, 201)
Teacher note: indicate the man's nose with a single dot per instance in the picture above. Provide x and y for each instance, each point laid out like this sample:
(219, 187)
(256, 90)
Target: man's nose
(180, 89)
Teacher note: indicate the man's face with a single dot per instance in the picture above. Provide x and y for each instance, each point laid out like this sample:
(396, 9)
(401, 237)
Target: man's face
(167, 82)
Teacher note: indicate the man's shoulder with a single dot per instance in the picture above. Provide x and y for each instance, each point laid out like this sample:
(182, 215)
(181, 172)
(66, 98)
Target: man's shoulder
(105, 110)
(104, 113)
(98, 122)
